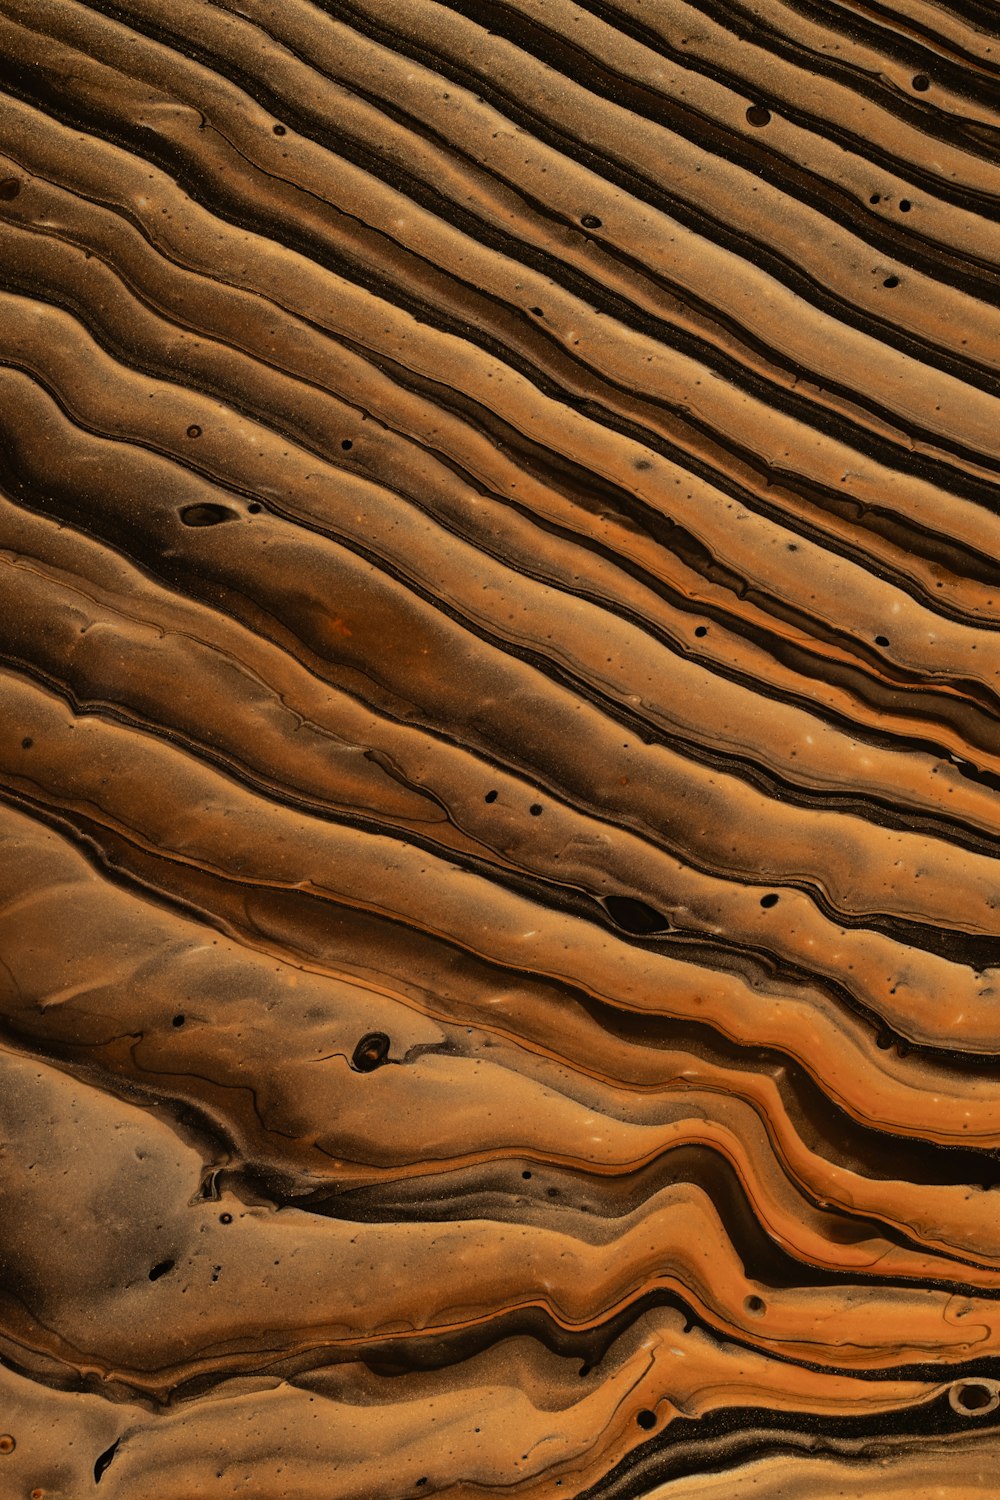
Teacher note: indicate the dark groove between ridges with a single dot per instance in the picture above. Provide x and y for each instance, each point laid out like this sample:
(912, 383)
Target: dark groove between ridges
(914, 110)
(545, 43)
(876, 447)
(922, 58)
(959, 947)
(918, 537)
(165, 156)
(722, 954)
(721, 1443)
(866, 686)
(641, 187)
(834, 202)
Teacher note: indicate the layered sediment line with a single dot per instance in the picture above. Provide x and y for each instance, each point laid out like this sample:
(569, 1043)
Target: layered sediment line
(499, 762)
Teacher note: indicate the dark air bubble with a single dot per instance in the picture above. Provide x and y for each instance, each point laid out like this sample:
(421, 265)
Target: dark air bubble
(538, 312)
(347, 445)
(371, 1052)
(536, 809)
(279, 129)
(758, 115)
(255, 508)
(491, 796)
(769, 900)
(875, 198)
(225, 1218)
(9, 188)
(207, 515)
(905, 205)
(178, 1020)
(160, 1269)
(590, 221)
(881, 640)
(634, 916)
(104, 1459)
(27, 742)
(921, 83)
(973, 1398)
(646, 1420)
(891, 281)
(526, 1175)
(701, 630)
(194, 430)
(755, 1305)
